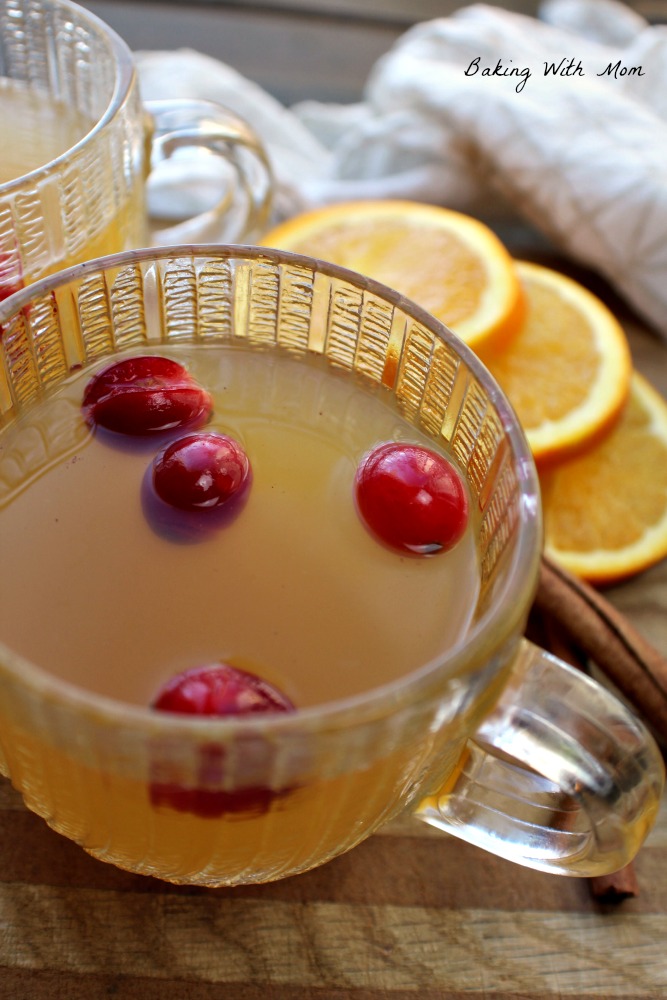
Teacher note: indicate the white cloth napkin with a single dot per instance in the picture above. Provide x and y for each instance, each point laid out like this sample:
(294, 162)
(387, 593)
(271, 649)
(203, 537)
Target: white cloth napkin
(464, 111)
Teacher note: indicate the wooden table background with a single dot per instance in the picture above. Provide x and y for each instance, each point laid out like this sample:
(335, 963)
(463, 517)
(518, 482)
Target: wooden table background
(410, 913)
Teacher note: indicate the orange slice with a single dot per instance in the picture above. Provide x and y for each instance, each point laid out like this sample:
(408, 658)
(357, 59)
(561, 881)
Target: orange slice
(605, 511)
(453, 266)
(567, 370)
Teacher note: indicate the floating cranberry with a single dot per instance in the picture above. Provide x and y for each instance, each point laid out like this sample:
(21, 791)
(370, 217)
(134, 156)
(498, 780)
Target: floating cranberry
(216, 690)
(411, 498)
(220, 689)
(145, 395)
(201, 471)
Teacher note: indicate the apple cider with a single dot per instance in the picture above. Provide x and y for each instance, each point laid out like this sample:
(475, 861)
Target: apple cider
(103, 596)
(39, 130)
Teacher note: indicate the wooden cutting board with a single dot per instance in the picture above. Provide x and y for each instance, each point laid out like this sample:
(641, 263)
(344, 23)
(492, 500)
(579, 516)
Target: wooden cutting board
(410, 913)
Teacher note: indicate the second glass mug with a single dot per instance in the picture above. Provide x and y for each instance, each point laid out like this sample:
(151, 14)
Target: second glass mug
(89, 199)
(494, 741)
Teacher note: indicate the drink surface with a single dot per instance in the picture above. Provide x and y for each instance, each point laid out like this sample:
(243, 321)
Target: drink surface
(294, 588)
(37, 129)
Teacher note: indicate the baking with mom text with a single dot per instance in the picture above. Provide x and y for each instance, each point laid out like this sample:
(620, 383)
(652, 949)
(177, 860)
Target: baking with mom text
(564, 68)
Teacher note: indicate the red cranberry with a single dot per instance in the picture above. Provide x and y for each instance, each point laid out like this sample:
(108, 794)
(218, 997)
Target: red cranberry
(219, 689)
(411, 498)
(11, 275)
(145, 395)
(216, 690)
(201, 471)
(213, 803)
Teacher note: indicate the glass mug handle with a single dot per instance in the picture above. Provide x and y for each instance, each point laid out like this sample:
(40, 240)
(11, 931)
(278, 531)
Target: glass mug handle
(560, 776)
(242, 177)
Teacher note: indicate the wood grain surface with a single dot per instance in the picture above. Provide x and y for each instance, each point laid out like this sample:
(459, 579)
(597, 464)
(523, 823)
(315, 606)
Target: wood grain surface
(409, 913)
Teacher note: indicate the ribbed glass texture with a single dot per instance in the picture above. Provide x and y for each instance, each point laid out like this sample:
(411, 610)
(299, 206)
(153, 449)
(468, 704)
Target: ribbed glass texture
(86, 200)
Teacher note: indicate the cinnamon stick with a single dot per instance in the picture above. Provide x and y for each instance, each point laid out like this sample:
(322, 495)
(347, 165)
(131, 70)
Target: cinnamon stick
(603, 634)
(616, 887)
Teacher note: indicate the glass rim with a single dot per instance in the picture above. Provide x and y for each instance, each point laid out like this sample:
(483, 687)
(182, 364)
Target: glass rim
(499, 623)
(124, 78)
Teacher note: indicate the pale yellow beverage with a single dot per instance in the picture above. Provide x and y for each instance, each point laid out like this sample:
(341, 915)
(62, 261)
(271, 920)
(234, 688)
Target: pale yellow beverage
(294, 589)
(36, 129)
(57, 228)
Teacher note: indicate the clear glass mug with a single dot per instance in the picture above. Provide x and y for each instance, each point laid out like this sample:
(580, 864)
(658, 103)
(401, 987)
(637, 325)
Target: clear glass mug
(70, 91)
(495, 742)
